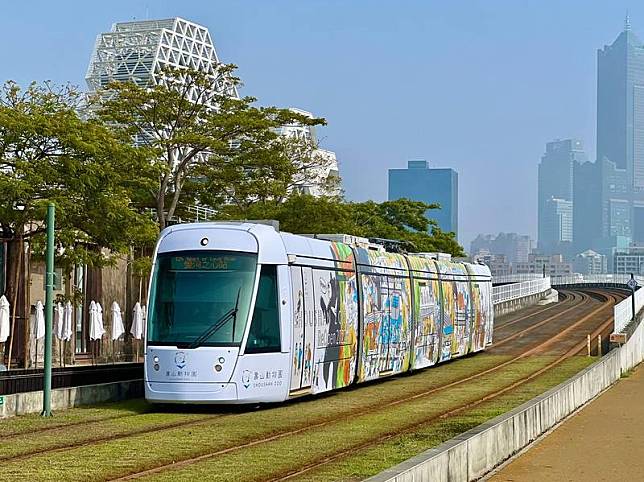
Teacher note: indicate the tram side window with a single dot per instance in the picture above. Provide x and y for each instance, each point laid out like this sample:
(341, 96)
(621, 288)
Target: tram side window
(264, 336)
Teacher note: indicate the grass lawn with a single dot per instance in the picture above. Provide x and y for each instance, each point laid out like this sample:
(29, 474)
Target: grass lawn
(331, 423)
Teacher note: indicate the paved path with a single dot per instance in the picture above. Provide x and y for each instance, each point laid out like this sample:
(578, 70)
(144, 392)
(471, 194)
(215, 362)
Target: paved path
(602, 442)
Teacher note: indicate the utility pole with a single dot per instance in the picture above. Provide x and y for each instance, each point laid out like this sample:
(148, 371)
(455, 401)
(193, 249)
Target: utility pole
(49, 311)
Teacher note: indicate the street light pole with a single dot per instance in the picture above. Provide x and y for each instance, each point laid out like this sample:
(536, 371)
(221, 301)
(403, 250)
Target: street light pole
(49, 311)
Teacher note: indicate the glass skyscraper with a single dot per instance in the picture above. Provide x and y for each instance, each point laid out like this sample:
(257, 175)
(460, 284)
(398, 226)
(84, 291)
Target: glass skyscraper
(419, 182)
(555, 198)
(620, 137)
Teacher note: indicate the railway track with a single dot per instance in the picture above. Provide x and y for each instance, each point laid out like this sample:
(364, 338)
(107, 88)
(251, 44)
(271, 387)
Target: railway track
(607, 304)
(575, 298)
(331, 458)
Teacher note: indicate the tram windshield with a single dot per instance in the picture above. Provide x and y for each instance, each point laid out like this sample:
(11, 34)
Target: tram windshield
(201, 298)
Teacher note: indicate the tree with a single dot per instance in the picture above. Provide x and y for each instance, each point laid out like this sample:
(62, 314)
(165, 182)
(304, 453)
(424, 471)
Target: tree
(49, 153)
(400, 220)
(209, 145)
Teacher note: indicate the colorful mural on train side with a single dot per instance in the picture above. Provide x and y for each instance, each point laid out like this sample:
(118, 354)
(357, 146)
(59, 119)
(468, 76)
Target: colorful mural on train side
(448, 317)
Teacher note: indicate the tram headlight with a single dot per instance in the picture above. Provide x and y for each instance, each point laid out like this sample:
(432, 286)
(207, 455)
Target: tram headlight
(222, 360)
(156, 367)
(155, 359)
(218, 367)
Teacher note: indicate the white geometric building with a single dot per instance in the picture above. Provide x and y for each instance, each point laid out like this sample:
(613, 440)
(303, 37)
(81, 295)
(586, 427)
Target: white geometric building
(321, 177)
(138, 51)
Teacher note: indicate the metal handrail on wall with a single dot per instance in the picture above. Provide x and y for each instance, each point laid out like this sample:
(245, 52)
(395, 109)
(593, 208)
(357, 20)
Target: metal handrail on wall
(515, 278)
(594, 279)
(501, 294)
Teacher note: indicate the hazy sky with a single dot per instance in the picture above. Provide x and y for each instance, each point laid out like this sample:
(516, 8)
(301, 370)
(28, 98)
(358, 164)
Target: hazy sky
(479, 86)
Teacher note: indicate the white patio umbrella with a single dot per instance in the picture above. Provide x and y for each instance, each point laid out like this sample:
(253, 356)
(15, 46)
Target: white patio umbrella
(59, 321)
(117, 321)
(137, 321)
(67, 325)
(96, 330)
(40, 325)
(101, 324)
(59, 314)
(40, 320)
(137, 325)
(4, 319)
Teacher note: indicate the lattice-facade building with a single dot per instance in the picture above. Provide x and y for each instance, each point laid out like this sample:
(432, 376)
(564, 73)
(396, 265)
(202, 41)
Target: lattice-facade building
(138, 51)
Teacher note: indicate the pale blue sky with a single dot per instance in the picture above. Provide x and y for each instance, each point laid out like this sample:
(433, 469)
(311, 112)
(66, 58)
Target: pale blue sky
(479, 86)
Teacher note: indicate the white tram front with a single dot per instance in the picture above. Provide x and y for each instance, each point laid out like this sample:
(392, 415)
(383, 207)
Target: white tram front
(241, 313)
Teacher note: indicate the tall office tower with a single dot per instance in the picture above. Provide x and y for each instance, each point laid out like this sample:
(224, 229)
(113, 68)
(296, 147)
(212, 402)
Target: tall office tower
(556, 183)
(138, 51)
(586, 206)
(620, 135)
(421, 183)
(556, 234)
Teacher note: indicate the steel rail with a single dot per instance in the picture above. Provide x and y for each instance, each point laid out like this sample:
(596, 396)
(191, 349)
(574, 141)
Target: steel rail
(379, 407)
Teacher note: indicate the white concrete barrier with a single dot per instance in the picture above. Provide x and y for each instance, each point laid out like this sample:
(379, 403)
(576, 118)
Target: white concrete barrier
(63, 398)
(476, 452)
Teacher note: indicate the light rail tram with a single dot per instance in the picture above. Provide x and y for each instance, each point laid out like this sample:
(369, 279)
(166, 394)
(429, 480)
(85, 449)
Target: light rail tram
(243, 313)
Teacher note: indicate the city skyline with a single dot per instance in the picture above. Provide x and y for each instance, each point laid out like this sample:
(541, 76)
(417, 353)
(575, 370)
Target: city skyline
(505, 116)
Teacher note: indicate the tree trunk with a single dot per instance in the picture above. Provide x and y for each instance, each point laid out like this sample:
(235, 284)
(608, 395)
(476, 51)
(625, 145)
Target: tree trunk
(16, 295)
(161, 210)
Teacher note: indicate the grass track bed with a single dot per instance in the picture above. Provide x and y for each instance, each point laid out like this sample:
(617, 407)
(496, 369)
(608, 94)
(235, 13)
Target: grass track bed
(279, 457)
(357, 423)
(29, 424)
(368, 462)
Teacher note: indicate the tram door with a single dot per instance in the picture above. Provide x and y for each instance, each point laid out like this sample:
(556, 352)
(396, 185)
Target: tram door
(308, 348)
(303, 346)
(385, 328)
(298, 326)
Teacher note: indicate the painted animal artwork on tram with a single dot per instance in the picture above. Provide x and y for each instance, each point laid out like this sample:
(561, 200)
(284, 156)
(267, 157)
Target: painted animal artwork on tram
(325, 324)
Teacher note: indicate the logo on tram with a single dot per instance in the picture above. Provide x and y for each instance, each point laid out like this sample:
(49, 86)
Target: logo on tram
(246, 378)
(180, 359)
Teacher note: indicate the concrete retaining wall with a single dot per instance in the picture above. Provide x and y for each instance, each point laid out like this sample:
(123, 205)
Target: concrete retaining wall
(476, 452)
(63, 398)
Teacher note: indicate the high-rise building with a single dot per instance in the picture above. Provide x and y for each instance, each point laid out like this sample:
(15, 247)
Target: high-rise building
(319, 174)
(629, 260)
(586, 206)
(138, 51)
(556, 230)
(553, 265)
(620, 104)
(514, 247)
(620, 136)
(556, 172)
(419, 182)
(589, 262)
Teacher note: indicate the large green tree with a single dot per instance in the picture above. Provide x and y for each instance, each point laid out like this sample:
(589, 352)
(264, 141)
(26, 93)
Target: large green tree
(210, 146)
(401, 220)
(50, 153)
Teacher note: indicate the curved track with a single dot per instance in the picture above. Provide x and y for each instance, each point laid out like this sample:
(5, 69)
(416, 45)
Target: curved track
(558, 330)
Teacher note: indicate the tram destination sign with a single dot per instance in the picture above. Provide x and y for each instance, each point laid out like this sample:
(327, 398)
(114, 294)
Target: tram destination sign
(208, 262)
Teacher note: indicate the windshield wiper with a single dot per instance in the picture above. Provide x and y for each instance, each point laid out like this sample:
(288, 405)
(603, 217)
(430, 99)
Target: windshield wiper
(218, 324)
